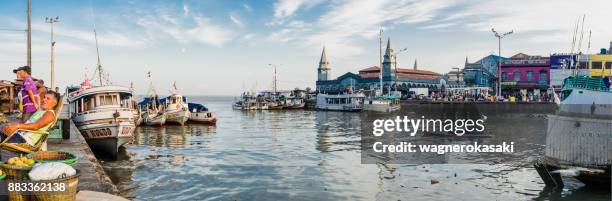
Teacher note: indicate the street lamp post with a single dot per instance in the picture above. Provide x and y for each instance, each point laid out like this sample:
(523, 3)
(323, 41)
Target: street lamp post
(52, 21)
(499, 37)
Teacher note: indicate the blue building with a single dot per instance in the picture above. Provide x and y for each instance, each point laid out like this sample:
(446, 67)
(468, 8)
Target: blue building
(482, 73)
(368, 79)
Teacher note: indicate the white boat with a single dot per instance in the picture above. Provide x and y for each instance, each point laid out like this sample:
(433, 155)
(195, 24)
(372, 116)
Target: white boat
(340, 102)
(152, 114)
(176, 109)
(103, 115)
(200, 114)
(386, 103)
(578, 137)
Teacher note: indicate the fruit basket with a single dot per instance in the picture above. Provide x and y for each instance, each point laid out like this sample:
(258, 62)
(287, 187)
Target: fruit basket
(17, 168)
(53, 156)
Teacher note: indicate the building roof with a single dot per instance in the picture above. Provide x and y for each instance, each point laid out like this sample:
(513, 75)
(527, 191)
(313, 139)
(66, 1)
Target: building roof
(376, 69)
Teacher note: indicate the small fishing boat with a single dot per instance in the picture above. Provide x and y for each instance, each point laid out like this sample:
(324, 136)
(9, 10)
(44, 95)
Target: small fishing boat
(200, 114)
(176, 109)
(152, 114)
(151, 109)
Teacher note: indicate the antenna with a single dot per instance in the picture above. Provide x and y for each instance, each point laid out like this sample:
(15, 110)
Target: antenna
(589, 44)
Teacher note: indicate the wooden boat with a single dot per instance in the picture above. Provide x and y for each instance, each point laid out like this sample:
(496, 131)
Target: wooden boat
(200, 114)
(103, 115)
(176, 109)
(151, 109)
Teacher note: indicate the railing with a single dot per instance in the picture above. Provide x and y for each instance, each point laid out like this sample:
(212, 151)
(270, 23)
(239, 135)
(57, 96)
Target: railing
(585, 82)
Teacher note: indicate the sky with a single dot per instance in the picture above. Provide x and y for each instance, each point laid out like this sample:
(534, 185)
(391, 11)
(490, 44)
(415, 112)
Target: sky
(221, 48)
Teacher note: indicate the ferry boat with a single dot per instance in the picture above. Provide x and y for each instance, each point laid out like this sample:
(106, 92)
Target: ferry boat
(176, 109)
(340, 102)
(200, 114)
(103, 114)
(578, 138)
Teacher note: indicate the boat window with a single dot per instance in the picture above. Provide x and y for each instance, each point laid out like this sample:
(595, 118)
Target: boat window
(608, 65)
(583, 65)
(108, 100)
(596, 65)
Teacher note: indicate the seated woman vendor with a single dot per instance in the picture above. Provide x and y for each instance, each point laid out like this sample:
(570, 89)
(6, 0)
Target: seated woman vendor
(39, 121)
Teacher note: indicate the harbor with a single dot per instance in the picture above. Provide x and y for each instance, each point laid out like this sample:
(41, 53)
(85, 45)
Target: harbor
(146, 104)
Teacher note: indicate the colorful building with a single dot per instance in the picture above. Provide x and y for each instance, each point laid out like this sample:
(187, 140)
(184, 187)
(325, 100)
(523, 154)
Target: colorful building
(600, 64)
(524, 72)
(482, 73)
(368, 79)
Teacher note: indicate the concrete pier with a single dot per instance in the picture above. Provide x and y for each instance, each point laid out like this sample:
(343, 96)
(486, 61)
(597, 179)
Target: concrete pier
(93, 177)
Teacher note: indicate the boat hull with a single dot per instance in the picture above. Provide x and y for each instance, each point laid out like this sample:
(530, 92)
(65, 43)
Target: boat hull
(155, 120)
(107, 138)
(381, 107)
(177, 116)
(203, 117)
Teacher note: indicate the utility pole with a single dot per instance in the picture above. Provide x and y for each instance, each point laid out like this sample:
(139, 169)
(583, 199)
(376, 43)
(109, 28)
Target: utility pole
(52, 21)
(29, 35)
(499, 37)
(380, 77)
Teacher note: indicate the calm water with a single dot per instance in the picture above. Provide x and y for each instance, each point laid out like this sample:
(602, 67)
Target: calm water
(310, 155)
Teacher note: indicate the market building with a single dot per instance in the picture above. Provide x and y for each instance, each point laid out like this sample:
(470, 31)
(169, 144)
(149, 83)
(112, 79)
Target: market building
(482, 73)
(368, 79)
(525, 74)
(600, 65)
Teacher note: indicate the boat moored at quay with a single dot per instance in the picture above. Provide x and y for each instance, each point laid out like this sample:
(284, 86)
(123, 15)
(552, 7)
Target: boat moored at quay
(351, 102)
(176, 109)
(103, 114)
(579, 137)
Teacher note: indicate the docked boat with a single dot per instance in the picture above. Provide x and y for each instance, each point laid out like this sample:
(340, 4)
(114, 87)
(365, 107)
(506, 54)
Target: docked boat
(103, 115)
(385, 103)
(578, 138)
(152, 112)
(200, 114)
(136, 108)
(340, 102)
(176, 109)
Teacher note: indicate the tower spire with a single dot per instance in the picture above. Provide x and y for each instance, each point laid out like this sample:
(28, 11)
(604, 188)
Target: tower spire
(324, 69)
(415, 64)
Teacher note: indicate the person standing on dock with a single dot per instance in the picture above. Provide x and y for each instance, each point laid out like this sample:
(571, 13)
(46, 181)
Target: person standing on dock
(42, 90)
(29, 92)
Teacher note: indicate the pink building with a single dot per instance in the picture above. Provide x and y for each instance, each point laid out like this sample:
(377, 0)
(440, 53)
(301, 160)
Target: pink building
(522, 71)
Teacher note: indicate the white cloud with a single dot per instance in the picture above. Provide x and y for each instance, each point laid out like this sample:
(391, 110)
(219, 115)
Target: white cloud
(247, 7)
(286, 8)
(185, 10)
(235, 19)
(193, 28)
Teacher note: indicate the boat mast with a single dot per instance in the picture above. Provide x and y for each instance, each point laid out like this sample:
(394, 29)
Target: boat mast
(98, 65)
